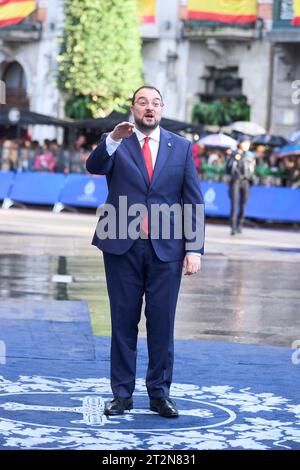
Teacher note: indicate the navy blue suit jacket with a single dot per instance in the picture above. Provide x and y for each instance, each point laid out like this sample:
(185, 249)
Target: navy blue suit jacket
(174, 180)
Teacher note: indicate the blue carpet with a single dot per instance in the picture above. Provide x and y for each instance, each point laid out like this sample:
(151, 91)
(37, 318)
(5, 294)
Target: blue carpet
(230, 396)
(47, 330)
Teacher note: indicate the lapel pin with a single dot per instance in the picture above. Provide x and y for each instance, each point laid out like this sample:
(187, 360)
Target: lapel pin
(169, 144)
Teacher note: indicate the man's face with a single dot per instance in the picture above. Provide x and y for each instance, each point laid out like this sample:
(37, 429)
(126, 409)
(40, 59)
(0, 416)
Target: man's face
(147, 109)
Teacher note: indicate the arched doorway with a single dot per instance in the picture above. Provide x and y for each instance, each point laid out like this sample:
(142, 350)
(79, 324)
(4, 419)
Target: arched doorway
(16, 85)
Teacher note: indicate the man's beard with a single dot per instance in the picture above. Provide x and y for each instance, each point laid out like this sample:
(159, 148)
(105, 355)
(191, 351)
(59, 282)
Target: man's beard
(144, 127)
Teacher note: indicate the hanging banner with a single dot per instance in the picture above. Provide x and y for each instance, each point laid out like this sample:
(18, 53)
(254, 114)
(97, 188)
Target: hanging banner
(14, 11)
(223, 11)
(146, 10)
(296, 19)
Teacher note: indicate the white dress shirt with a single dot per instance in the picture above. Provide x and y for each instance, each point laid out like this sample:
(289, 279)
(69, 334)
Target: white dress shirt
(112, 145)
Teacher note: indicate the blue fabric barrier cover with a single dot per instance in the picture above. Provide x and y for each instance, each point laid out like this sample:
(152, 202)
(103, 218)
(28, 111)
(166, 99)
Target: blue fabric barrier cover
(265, 202)
(37, 188)
(6, 180)
(216, 199)
(84, 191)
(273, 203)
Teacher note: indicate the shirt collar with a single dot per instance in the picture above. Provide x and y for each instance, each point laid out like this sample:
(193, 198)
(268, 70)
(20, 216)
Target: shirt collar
(155, 135)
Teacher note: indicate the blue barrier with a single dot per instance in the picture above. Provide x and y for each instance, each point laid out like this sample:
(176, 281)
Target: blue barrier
(6, 181)
(216, 199)
(84, 191)
(271, 203)
(37, 188)
(265, 202)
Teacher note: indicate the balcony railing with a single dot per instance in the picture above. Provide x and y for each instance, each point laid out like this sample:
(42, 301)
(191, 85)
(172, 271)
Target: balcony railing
(27, 30)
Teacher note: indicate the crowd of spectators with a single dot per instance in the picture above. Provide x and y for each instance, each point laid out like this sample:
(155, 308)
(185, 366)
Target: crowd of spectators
(50, 156)
(270, 170)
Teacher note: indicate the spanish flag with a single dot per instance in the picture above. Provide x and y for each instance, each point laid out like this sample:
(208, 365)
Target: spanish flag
(223, 11)
(146, 10)
(14, 11)
(296, 19)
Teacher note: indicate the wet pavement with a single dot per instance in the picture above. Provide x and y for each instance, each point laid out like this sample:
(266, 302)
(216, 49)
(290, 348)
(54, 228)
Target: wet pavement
(248, 290)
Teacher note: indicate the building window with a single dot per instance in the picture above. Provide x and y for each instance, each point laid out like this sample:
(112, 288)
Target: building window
(16, 84)
(14, 76)
(283, 13)
(222, 83)
(222, 100)
(286, 10)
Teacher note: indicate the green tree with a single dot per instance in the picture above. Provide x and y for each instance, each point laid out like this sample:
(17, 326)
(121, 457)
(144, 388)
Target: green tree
(100, 61)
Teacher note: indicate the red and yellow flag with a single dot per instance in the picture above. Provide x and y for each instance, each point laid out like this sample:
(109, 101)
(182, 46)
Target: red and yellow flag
(14, 11)
(296, 19)
(224, 11)
(146, 10)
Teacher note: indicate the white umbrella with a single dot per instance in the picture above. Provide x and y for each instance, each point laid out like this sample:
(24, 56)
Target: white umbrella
(218, 140)
(247, 127)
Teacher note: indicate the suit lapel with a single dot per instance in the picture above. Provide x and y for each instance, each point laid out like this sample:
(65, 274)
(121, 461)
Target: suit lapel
(165, 147)
(133, 146)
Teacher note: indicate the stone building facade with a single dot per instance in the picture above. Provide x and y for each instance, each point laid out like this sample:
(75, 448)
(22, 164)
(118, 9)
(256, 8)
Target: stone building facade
(184, 59)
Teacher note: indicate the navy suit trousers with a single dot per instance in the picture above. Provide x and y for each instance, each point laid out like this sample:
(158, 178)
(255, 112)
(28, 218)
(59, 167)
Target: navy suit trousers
(129, 277)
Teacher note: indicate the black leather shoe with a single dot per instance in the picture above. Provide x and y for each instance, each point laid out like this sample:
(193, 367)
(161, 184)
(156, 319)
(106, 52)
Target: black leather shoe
(164, 406)
(117, 406)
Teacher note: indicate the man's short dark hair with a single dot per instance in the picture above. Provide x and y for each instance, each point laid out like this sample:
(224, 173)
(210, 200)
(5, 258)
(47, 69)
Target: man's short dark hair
(150, 87)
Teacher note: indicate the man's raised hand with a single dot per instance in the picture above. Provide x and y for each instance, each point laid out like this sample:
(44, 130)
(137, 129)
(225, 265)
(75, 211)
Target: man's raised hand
(123, 129)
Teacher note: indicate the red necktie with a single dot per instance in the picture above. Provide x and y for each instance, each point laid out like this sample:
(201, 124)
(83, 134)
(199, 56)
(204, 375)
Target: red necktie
(148, 158)
(149, 165)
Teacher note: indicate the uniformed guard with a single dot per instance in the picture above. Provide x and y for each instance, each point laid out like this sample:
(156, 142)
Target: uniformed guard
(240, 167)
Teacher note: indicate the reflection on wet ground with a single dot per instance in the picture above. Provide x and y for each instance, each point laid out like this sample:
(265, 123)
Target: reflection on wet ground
(248, 289)
(30, 277)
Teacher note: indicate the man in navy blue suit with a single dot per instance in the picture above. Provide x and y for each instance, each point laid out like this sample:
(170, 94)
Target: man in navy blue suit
(149, 171)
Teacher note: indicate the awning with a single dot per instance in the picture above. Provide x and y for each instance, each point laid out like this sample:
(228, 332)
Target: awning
(109, 122)
(13, 116)
(14, 11)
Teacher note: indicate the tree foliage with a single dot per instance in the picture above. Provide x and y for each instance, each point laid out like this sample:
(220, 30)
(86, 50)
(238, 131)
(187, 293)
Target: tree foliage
(100, 62)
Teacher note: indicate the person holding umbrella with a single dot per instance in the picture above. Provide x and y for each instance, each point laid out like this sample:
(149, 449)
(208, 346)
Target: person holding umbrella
(240, 167)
